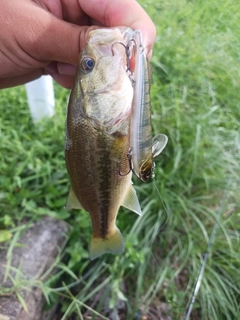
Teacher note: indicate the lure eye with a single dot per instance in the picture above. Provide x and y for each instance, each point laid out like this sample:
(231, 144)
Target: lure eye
(87, 64)
(146, 169)
(147, 175)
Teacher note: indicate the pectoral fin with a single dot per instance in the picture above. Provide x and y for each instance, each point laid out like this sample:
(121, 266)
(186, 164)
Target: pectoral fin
(72, 201)
(131, 201)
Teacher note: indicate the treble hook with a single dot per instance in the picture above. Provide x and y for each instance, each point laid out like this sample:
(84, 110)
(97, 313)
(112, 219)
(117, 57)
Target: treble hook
(117, 42)
(129, 155)
(128, 54)
(134, 46)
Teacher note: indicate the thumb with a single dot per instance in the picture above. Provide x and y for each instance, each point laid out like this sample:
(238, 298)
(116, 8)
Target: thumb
(32, 39)
(46, 38)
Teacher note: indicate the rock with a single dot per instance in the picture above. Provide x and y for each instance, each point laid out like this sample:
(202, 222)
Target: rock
(2, 317)
(39, 248)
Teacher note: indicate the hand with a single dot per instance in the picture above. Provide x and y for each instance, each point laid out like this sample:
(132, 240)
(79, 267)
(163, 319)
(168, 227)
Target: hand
(39, 37)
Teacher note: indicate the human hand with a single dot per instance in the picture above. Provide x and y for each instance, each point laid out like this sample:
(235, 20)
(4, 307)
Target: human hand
(39, 37)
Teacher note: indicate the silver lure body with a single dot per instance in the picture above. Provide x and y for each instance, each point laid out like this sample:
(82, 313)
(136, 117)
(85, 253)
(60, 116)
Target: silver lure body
(143, 147)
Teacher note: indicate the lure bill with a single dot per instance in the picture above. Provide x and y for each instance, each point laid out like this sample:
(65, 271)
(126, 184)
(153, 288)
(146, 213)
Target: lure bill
(97, 138)
(143, 148)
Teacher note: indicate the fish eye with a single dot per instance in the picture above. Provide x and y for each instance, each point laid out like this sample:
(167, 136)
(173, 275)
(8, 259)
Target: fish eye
(87, 64)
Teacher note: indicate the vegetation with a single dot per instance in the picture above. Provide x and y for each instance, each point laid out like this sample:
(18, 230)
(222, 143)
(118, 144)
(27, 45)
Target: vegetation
(196, 102)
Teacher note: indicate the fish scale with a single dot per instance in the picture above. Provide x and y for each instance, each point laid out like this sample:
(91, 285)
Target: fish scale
(98, 141)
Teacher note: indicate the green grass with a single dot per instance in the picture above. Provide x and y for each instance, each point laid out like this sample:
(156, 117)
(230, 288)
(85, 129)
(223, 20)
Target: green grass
(196, 102)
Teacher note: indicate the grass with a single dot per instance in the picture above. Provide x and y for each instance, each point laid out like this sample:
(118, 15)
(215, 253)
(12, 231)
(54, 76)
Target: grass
(196, 102)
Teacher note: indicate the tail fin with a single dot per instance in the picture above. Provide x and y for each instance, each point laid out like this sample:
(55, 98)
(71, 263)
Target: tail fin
(111, 244)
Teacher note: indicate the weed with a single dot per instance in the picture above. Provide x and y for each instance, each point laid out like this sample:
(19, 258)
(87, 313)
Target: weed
(195, 101)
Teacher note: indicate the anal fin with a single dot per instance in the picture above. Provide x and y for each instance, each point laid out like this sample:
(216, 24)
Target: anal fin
(131, 201)
(72, 201)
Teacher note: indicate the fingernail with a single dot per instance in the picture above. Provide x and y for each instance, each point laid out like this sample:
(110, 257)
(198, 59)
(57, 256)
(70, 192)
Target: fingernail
(66, 69)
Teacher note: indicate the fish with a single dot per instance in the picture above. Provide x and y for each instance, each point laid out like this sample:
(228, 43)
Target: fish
(98, 138)
(143, 148)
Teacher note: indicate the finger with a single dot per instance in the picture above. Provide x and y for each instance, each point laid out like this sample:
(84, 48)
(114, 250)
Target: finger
(66, 69)
(122, 13)
(51, 39)
(62, 73)
(64, 80)
(18, 80)
(61, 41)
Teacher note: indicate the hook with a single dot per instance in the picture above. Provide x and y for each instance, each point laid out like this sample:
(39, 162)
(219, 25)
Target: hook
(129, 156)
(127, 51)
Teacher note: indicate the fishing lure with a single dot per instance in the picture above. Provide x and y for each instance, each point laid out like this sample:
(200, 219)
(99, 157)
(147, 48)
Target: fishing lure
(144, 148)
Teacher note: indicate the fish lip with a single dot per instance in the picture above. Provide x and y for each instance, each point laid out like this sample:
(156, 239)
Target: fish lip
(103, 44)
(97, 34)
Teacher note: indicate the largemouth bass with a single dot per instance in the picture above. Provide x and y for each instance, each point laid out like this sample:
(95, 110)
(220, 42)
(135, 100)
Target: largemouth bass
(97, 138)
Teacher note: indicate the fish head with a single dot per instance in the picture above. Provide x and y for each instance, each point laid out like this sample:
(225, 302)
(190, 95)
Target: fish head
(103, 60)
(102, 78)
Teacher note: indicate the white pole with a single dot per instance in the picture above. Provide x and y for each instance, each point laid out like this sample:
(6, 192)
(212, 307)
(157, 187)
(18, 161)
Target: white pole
(40, 94)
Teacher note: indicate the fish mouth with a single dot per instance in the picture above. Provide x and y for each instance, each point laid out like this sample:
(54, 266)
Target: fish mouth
(104, 39)
(110, 35)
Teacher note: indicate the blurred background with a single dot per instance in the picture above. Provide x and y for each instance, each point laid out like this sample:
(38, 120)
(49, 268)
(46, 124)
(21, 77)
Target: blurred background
(195, 101)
